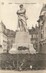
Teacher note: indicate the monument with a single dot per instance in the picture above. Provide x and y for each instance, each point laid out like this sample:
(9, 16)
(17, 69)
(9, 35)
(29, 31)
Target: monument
(22, 39)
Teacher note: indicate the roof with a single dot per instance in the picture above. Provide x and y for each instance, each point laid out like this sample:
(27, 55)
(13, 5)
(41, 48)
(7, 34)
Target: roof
(6, 31)
(43, 8)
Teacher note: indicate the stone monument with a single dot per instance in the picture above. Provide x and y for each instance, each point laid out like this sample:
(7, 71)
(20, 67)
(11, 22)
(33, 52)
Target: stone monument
(22, 39)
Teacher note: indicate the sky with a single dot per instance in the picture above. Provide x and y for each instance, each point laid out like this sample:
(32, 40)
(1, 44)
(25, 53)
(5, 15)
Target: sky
(9, 17)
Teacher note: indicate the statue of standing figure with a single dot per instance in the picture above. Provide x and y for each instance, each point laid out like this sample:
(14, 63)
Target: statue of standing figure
(22, 18)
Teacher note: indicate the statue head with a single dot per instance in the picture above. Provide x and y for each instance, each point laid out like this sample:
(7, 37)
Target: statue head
(21, 6)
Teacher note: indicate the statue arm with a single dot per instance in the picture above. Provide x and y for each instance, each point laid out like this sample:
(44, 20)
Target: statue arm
(21, 12)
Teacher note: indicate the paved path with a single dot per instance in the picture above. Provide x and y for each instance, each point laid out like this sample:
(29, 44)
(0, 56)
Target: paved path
(12, 71)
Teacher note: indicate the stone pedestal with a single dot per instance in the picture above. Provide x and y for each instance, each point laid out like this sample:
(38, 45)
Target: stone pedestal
(22, 43)
(22, 39)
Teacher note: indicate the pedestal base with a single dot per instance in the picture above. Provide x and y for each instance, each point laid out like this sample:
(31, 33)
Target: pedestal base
(23, 43)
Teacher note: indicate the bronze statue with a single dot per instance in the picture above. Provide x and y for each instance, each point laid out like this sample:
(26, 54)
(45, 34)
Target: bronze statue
(22, 18)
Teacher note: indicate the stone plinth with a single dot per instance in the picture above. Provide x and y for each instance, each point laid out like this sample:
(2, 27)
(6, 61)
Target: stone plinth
(22, 39)
(23, 42)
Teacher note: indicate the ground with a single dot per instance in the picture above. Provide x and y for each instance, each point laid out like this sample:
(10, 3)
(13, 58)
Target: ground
(24, 61)
(8, 71)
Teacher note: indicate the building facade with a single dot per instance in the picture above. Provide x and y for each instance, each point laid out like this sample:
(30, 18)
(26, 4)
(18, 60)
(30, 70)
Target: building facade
(10, 38)
(7, 38)
(3, 37)
(42, 30)
(34, 37)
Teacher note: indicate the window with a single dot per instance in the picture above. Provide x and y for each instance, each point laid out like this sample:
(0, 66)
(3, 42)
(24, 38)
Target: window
(41, 36)
(0, 45)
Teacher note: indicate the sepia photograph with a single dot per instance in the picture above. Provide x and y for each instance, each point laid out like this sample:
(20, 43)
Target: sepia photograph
(22, 36)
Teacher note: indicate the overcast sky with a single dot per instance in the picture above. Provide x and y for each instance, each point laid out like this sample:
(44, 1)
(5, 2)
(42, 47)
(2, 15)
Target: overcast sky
(9, 17)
